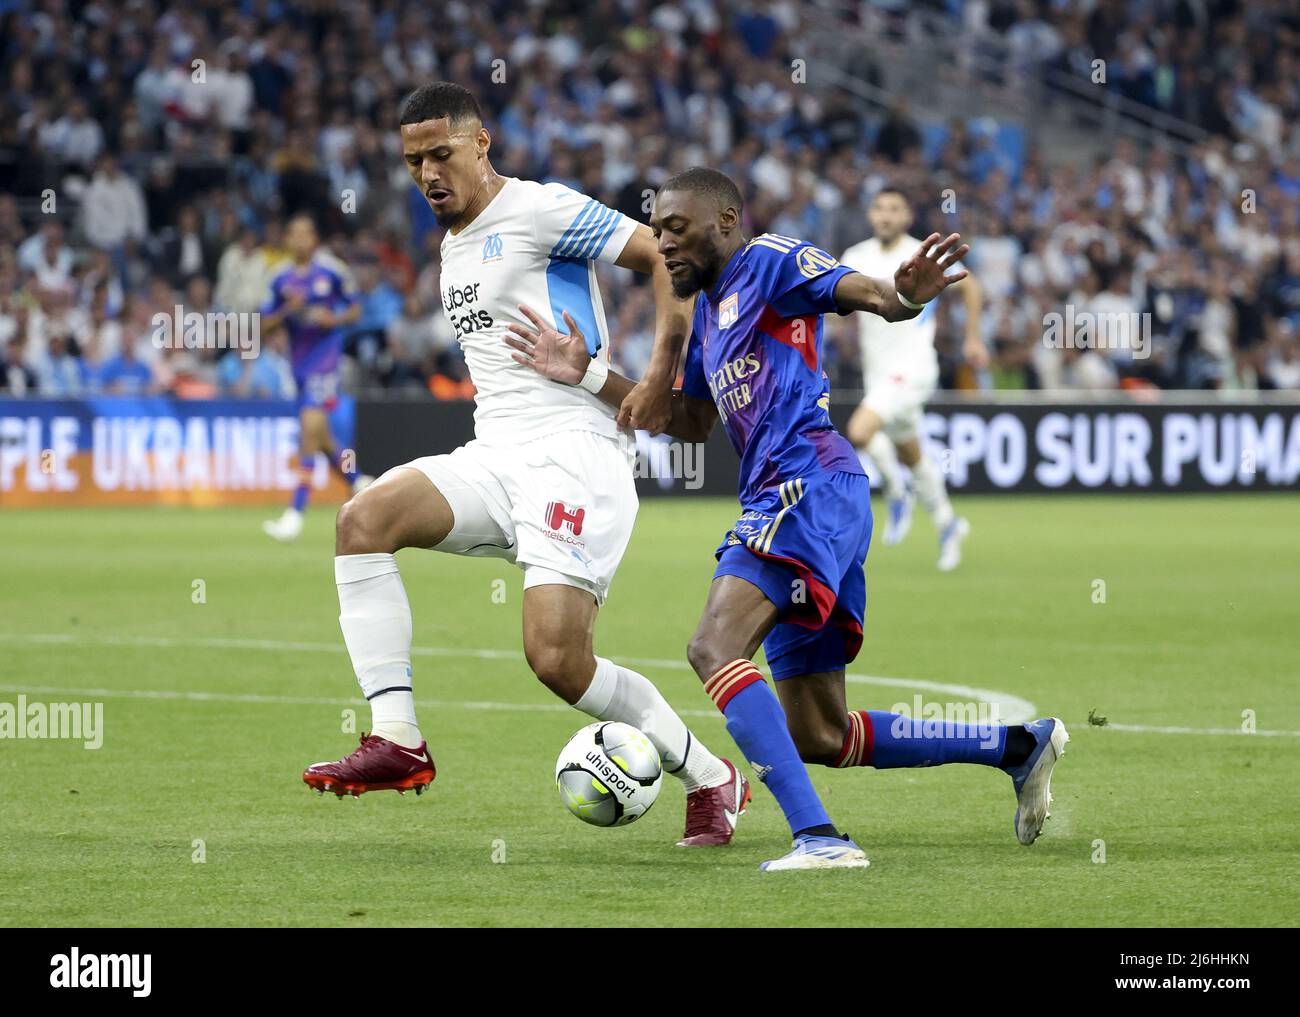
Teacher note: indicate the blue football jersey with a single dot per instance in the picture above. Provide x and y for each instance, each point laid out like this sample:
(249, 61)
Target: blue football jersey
(756, 351)
(312, 349)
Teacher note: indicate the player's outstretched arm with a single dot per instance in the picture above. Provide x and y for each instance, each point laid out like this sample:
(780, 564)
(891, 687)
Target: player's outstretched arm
(649, 403)
(564, 359)
(918, 280)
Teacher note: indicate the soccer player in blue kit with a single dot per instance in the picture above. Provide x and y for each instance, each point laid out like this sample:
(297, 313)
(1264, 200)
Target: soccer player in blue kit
(790, 571)
(314, 303)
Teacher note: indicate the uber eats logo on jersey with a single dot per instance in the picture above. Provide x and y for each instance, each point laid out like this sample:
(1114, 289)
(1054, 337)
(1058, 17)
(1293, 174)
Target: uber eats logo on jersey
(458, 302)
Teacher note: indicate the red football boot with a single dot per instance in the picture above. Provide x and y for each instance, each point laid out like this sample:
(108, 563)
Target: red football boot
(377, 765)
(712, 812)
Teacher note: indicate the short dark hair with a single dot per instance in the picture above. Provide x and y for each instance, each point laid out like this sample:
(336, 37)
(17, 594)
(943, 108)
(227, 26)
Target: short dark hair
(440, 99)
(892, 189)
(717, 187)
(303, 214)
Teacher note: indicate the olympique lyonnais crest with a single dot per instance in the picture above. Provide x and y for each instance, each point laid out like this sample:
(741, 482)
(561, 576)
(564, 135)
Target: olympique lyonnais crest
(729, 311)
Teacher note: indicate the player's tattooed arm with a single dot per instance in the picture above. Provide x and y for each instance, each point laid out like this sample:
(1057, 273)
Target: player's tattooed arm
(919, 280)
(564, 358)
(649, 404)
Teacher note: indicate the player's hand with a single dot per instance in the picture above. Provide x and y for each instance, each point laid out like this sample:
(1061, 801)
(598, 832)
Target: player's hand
(976, 353)
(321, 317)
(648, 406)
(561, 358)
(295, 300)
(921, 277)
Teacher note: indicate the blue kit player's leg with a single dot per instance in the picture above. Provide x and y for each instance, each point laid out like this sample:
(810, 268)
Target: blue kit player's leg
(317, 398)
(750, 589)
(826, 732)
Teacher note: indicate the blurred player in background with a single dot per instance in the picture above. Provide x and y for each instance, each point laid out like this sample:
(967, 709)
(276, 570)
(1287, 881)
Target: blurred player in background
(314, 303)
(546, 483)
(900, 372)
(790, 571)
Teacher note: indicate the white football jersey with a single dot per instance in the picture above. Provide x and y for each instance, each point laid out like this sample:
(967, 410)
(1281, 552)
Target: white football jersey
(534, 244)
(892, 347)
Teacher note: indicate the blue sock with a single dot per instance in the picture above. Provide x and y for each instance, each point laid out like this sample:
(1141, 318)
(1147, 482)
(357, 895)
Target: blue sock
(350, 475)
(757, 724)
(300, 494)
(894, 741)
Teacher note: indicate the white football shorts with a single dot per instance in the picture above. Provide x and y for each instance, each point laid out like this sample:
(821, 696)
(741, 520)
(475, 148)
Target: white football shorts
(899, 401)
(561, 507)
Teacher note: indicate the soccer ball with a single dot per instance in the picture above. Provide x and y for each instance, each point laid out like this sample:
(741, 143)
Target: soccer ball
(609, 774)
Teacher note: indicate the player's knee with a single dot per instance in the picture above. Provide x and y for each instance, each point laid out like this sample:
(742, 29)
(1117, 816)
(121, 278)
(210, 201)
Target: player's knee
(564, 669)
(820, 744)
(705, 655)
(863, 428)
(361, 527)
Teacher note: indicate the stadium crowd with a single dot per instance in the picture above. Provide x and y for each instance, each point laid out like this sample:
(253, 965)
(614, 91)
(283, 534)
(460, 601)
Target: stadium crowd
(151, 152)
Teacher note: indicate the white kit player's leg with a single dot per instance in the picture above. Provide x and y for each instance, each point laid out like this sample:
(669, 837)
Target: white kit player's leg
(899, 496)
(621, 694)
(933, 495)
(931, 491)
(869, 429)
(401, 509)
(573, 505)
(376, 620)
(882, 453)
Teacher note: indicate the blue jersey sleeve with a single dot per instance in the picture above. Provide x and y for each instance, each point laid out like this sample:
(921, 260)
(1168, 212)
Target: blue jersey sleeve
(343, 294)
(694, 382)
(274, 300)
(799, 278)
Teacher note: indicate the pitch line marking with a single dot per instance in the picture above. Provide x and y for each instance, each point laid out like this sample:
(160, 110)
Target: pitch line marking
(1014, 709)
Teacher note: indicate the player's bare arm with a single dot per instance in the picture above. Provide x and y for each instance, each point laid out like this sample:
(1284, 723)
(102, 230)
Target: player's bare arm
(294, 302)
(323, 317)
(918, 280)
(564, 358)
(648, 404)
(973, 348)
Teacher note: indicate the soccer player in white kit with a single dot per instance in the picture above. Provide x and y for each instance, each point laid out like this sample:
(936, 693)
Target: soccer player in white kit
(901, 369)
(547, 482)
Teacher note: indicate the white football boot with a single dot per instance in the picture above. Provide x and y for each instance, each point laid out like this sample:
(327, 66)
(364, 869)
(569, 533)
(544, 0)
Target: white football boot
(950, 544)
(287, 528)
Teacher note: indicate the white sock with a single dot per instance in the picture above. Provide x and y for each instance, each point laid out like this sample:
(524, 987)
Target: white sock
(931, 492)
(375, 617)
(882, 453)
(616, 693)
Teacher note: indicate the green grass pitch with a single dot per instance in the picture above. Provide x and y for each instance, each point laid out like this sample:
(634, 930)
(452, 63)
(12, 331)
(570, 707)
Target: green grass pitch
(193, 811)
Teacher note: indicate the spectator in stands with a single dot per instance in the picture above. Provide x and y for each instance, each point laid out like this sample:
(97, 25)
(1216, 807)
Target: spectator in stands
(61, 373)
(381, 304)
(47, 256)
(16, 378)
(75, 137)
(242, 275)
(292, 111)
(114, 209)
(265, 376)
(124, 373)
